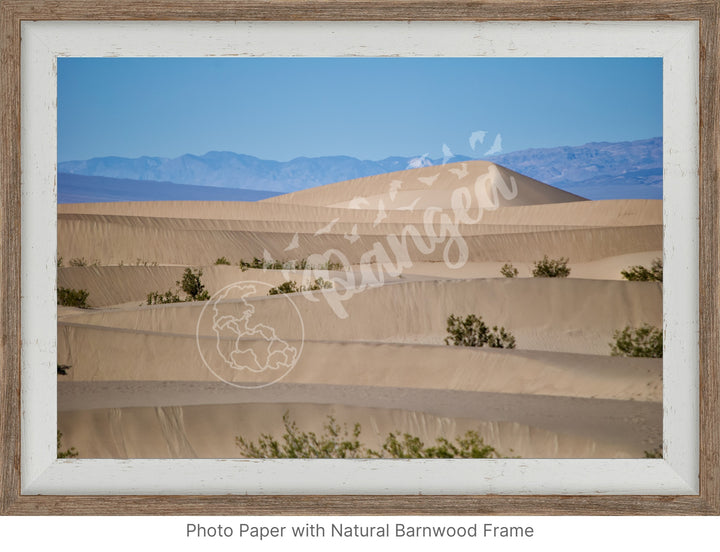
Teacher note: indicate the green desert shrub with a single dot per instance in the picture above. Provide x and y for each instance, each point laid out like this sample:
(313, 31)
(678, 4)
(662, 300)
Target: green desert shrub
(337, 441)
(292, 287)
(301, 264)
(68, 297)
(471, 445)
(285, 287)
(639, 273)
(190, 284)
(333, 442)
(645, 341)
(222, 261)
(68, 453)
(551, 268)
(329, 265)
(80, 261)
(155, 298)
(262, 264)
(473, 332)
(508, 270)
(59, 262)
(318, 284)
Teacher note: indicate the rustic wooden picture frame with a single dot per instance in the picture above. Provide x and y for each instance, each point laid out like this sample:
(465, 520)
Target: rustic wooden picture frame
(13, 12)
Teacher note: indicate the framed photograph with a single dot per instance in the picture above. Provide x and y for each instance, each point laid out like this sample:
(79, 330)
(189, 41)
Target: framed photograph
(359, 258)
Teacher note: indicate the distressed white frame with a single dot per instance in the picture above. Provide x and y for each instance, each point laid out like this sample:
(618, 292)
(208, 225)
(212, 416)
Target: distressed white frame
(675, 42)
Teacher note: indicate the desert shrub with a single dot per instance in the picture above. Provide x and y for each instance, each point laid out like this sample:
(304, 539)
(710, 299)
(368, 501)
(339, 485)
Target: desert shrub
(69, 453)
(473, 332)
(292, 287)
(78, 261)
(301, 264)
(499, 338)
(222, 261)
(551, 268)
(338, 442)
(333, 442)
(471, 445)
(155, 298)
(192, 285)
(645, 341)
(263, 264)
(62, 369)
(59, 262)
(68, 297)
(285, 287)
(318, 284)
(329, 265)
(508, 270)
(143, 262)
(639, 273)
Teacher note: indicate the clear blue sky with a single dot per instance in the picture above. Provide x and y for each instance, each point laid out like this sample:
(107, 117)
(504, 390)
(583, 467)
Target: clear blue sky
(370, 108)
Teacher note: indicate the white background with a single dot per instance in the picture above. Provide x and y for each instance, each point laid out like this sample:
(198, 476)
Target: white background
(572, 534)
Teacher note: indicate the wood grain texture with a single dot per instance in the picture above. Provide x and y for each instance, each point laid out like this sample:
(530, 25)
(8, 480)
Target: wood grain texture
(357, 10)
(361, 505)
(709, 258)
(14, 11)
(9, 257)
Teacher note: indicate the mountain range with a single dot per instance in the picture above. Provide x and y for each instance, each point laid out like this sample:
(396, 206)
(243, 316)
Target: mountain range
(599, 170)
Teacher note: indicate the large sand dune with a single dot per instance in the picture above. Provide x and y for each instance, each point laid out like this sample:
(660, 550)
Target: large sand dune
(145, 381)
(432, 187)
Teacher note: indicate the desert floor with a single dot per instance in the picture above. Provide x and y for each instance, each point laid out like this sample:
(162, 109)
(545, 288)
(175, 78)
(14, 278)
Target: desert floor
(178, 380)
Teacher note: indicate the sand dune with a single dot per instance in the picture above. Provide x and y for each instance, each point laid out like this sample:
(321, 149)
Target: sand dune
(626, 212)
(167, 357)
(183, 241)
(210, 431)
(432, 186)
(607, 268)
(145, 381)
(117, 285)
(562, 315)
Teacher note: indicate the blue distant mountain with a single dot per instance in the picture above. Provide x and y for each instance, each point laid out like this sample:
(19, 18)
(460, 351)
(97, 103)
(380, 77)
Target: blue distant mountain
(601, 170)
(233, 170)
(76, 188)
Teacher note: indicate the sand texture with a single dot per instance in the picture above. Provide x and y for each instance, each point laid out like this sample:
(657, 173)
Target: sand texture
(409, 249)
